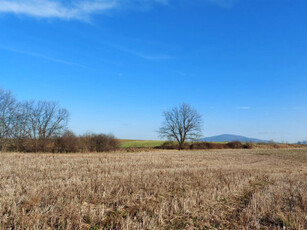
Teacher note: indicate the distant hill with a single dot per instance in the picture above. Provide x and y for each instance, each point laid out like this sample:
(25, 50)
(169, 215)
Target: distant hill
(303, 142)
(230, 137)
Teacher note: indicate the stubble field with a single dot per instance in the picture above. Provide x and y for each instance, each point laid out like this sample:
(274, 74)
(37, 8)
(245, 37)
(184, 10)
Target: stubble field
(216, 189)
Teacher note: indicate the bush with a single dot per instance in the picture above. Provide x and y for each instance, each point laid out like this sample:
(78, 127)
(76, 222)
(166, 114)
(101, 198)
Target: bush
(99, 143)
(235, 145)
(173, 145)
(207, 145)
(105, 143)
(68, 143)
(168, 145)
(249, 145)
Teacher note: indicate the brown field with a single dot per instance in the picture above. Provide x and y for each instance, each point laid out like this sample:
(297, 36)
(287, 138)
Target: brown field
(216, 189)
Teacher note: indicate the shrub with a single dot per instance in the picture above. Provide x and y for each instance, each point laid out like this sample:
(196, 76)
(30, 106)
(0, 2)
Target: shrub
(68, 143)
(235, 145)
(169, 145)
(104, 143)
(173, 145)
(193, 145)
(249, 145)
(99, 143)
(207, 145)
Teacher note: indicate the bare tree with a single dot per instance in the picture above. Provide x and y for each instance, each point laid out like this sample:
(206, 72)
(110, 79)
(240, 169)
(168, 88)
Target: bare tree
(180, 124)
(33, 126)
(20, 127)
(7, 115)
(46, 119)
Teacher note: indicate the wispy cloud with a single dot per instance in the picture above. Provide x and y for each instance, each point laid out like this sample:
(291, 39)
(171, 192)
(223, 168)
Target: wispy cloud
(42, 56)
(84, 9)
(294, 108)
(151, 57)
(244, 107)
(56, 9)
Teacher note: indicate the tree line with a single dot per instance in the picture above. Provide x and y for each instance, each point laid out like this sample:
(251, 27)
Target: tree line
(42, 126)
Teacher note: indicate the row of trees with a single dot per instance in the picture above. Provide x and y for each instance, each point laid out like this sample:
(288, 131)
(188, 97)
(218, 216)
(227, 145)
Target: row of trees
(41, 126)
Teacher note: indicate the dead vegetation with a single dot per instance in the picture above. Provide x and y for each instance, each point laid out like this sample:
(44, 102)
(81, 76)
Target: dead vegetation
(227, 145)
(217, 189)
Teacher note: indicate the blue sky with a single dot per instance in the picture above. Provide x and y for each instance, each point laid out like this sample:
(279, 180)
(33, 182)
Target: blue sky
(116, 65)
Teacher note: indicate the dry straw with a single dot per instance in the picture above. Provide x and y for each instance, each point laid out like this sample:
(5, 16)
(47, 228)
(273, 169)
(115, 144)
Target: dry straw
(221, 189)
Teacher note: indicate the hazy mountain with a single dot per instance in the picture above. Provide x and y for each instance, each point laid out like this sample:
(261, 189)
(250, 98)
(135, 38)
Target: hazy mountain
(230, 137)
(303, 142)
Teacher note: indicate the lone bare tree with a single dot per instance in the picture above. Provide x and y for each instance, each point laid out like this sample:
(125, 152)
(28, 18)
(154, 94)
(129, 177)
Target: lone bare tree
(181, 123)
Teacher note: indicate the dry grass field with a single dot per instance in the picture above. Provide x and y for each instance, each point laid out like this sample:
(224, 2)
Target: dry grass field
(216, 189)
